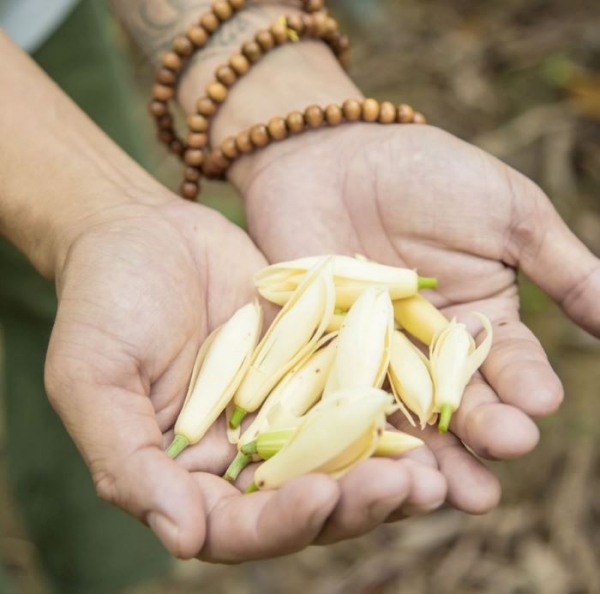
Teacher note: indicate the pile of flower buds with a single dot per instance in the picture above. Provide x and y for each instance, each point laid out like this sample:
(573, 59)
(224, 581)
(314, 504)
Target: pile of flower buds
(315, 377)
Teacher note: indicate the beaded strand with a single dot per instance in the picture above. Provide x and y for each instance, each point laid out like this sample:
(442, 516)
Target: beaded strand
(296, 122)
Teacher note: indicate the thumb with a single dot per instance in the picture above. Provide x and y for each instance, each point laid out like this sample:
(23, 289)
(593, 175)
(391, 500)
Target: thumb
(550, 254)
(116, 431)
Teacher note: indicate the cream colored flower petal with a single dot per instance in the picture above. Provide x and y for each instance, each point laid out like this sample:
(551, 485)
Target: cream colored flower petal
(296, 393)
(314, 445)
(410, 377)
(294, 333)
(420, 318)
(218, 371)
(363, 343)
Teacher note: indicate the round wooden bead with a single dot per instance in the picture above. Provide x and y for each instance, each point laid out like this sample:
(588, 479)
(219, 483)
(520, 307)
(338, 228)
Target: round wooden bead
(226, 75)
(237, 4)
(342, 44)
(197, 35)
(189, 190)
(243, 142)
(370, 111)
(404, 114)
(252, 51)
(210, 22)
(172, 61)
(229, 148)
(320, 23)
(176, 147)
(387, 112)
(239, 64)
(313, 5)
(157, 108)
(166, 136)
(313, 116)
(295, 122)
(217, 92)
(197, 123)
(352, 109)
(295, 22)
(165, 122)
(334, 114)
(183, 46)
(259, 135)
(277, 129)
(191, 174)
(222, 9)
(219, 161)
(265, 39)
(162, 92)
(166, 77)
(206, 106)
(310, 28)
(193, 157)
(279, 32)
(197, 140)
(419, 118)
(332, 27)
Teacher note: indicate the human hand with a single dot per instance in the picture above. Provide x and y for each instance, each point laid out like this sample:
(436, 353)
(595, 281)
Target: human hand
(139, 289)
(416, 196)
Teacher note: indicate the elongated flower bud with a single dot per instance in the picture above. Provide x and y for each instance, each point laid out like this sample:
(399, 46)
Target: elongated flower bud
(410, 378)
(218, 371)
(295, 394)
(363, 343)
(419, 317)
(391, 443)
(358, 417)
(352, 276)
(294, 333)
(454, 359)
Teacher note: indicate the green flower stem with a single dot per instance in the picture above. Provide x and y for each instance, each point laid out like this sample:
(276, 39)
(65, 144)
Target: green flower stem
(250, 448)
(251, 489)
(239, 463)
(427, 282)
(177, 446)
(446, 412)
(237, 416)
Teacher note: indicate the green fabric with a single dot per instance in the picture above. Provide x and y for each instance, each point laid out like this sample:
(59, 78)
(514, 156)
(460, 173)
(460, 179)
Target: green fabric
(85, 545)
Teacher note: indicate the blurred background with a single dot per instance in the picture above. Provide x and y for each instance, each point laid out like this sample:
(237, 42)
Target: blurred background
(521, 79)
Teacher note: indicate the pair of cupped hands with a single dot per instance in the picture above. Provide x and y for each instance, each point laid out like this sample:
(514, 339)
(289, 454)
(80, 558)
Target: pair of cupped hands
(141, 286)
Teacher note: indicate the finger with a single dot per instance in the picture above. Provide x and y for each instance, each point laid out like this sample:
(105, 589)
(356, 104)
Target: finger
(369, 494)
(472, 488)
(518, 370)
(548, 252)
(116, 431)
(264, 524)
(490, 428)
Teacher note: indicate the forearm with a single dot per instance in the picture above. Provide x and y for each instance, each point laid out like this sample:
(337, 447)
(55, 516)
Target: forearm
(57, 168)
(288, 78)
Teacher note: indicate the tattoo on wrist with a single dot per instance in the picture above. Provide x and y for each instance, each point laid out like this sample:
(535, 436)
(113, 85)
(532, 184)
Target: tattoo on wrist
(154, 24)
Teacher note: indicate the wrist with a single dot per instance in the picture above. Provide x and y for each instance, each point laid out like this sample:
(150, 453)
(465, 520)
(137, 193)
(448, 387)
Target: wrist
(286, 79)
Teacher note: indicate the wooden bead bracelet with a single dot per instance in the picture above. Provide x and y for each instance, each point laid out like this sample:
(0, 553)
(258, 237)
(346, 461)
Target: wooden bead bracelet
(289, 28)
(196, 37)
(296, 122)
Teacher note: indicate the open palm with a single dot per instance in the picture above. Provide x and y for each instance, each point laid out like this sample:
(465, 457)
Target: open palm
(418, 197)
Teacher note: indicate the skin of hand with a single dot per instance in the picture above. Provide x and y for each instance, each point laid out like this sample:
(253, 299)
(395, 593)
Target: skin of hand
(418, 197)
(140, 288)
(142, 277)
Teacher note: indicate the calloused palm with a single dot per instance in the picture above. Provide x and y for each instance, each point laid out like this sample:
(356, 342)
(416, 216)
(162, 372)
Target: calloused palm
(416, 196)
(140, 289)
